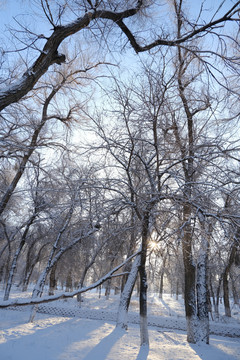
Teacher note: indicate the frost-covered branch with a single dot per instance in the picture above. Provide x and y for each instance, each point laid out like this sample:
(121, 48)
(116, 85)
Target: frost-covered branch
(49, 54)
(65, 295)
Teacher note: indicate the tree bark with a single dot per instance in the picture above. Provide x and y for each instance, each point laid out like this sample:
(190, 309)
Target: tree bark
(16, 256)
(226, 301)
(143, 282)
(126, 294)
(28, 153)
(202, 294)
(227, 269)
(162, 276)
(234, 290)
(52, 280)
(49, 54)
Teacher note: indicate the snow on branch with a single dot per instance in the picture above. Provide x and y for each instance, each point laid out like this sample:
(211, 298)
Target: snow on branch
(46, 299)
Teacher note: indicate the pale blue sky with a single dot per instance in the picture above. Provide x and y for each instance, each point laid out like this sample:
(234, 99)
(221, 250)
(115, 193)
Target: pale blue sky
(9, 9)
(23, 10)
(20, 8)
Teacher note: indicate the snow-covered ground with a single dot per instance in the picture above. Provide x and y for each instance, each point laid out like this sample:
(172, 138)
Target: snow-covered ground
(90, 334)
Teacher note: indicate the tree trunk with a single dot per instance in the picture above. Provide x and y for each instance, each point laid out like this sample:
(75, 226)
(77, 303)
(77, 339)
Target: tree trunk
(30, 266)
(216, 308)
(52, 280)
(99, 291)
(27, 279)
(161, 284)
(211, 293)
(108, 289)
(202, 294)
(16, 256)
(143, 283)
(87, 267)
(2, 272)
(234, 290)
(69, 285)
(226, 273)
(189, 278)
(226, 295)
(162, 277)
(126, 294)
(177, 289)
(132, 244)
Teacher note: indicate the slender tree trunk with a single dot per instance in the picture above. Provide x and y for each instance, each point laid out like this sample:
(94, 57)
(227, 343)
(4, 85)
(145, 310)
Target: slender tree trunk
(202, 293)
(87, 267)
(190, 278)
(30, 266)
(12, 271)
(127, 293)
(80, 285)
(16, 256)
(131, 248)
(234, 290)
(29, 151)
(99, 291)
(226, 294)
(161, 285)
(69, 284)
(108, 289)
(211, 293)
(2, 272)
(216, 308)
(162, 277)
(27, 271)
(52, 280)
(27, 279)
(53, 257)
(143, 283)
(226, 272)
(177, 289)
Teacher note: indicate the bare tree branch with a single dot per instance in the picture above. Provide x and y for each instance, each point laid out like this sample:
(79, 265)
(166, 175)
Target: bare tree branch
(35, 301)
(49, 54)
